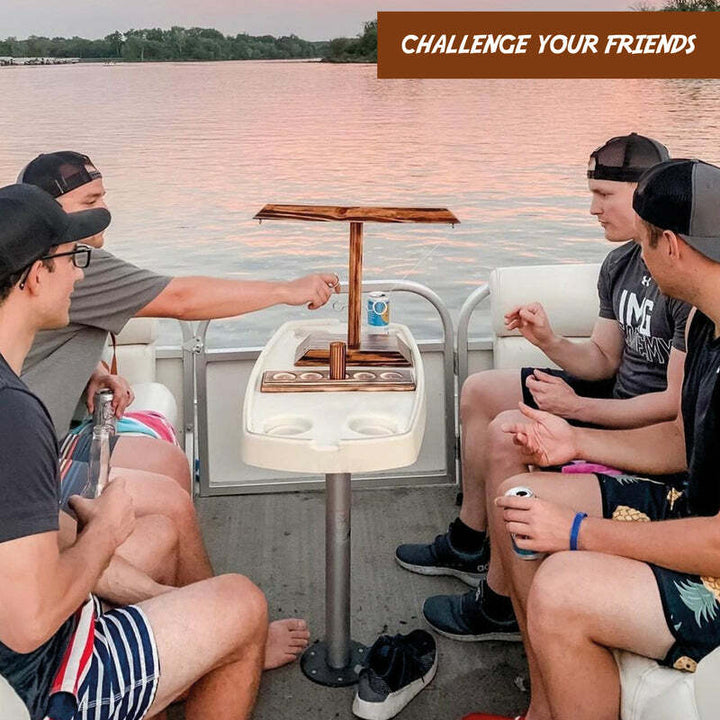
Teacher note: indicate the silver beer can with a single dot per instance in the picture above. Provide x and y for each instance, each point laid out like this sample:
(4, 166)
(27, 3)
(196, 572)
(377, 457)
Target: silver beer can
(103, 415)
(521, 491)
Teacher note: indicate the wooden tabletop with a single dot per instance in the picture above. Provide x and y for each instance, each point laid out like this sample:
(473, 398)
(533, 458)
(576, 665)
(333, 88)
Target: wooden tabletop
(330, 213)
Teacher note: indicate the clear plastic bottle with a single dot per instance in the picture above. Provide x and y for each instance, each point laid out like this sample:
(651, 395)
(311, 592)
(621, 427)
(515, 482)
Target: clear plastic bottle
(99, 466)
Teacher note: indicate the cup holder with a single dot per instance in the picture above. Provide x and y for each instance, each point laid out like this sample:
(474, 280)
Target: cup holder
(373, 426)
(287, 425)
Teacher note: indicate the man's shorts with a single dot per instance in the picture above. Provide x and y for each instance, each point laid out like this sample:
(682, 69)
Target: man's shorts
(124, 671)
(584, 388)
(691, 603)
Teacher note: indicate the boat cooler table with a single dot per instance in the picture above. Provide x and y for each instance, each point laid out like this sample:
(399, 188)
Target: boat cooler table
(335, 434)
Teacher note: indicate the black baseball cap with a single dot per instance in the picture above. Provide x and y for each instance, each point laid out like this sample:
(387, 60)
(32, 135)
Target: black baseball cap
(59, 172)
(683, 196)
(625, 158)
(32, 222)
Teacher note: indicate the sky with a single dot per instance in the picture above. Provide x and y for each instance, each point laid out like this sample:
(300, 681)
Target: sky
(309, 19)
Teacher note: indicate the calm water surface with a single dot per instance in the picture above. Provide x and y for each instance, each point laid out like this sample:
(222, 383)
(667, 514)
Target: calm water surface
(190, 152)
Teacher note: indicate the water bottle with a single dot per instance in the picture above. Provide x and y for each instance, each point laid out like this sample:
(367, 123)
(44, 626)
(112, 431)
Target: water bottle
(99, 466)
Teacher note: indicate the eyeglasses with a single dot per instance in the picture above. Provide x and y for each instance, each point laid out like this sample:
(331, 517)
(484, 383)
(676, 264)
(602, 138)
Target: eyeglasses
(80, 259)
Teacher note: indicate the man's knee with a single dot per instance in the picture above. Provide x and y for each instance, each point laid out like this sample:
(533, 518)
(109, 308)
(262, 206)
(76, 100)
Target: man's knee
(165, 535)
(500, 443)
(177, 504)
(554, 606)
(240, 597)
(487, 393)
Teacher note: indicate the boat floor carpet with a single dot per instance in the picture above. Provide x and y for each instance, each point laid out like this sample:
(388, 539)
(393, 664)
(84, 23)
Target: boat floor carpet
(278, 540)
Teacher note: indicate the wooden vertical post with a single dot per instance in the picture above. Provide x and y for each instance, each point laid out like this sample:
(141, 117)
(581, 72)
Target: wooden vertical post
(355, 285)
(337, 361)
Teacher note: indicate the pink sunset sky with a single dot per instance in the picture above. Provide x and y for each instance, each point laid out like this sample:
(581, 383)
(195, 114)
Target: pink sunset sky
(309, 19)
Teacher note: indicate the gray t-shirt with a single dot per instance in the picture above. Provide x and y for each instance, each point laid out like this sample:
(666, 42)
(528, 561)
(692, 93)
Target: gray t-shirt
(29, 488)
(652, 323)
(61, 361)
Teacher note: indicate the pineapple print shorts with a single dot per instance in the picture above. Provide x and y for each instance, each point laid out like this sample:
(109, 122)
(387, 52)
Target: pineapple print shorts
(691, 603)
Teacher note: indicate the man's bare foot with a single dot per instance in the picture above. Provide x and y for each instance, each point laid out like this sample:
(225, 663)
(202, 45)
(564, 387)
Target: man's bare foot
(286, 640)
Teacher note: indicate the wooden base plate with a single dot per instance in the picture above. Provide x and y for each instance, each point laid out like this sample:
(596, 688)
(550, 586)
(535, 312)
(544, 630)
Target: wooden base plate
(374, 351)
(376, 380)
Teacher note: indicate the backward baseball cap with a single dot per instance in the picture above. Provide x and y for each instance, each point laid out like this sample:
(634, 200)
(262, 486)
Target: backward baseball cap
(59, 172)
(683, 196)
(625, 158)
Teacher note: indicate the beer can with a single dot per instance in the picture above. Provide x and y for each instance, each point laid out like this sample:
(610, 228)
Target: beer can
(521, 491)
(103, 415)
(378, 310)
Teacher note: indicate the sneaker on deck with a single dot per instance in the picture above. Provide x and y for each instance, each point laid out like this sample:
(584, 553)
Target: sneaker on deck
(396, 670)
(441, 558)
(461, 617)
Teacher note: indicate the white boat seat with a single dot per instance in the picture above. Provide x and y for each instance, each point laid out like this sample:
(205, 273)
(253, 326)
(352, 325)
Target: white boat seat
(11, 706)
(569, 295)
(567, 292)
(136, 363)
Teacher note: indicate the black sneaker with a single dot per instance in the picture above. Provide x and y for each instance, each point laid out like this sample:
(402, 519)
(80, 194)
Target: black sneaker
(396, 670)
(441, 558)
(461, 617)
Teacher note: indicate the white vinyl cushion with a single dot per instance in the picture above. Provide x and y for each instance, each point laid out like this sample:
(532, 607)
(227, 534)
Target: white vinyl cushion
(11, 706)
(157, 397)
(567, 292)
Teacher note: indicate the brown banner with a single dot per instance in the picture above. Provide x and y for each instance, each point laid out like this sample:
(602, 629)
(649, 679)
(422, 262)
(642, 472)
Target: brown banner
(548, 44)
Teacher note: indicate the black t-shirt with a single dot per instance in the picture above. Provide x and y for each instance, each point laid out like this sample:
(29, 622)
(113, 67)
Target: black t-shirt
(29, 499)
(651, 322)
(701, 416)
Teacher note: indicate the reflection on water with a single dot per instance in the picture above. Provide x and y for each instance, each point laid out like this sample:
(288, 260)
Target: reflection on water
(191, 152)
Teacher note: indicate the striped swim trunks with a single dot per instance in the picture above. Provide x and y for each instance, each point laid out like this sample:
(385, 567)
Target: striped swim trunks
(123, 675)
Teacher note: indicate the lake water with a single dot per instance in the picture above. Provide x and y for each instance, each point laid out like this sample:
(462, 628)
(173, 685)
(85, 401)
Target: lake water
(190, 152)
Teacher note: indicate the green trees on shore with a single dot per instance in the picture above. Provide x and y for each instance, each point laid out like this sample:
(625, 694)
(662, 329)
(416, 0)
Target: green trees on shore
(177, 43)
(363, 48)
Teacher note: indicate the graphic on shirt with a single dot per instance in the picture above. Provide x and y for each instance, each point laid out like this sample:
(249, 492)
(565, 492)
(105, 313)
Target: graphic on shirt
(634, 316)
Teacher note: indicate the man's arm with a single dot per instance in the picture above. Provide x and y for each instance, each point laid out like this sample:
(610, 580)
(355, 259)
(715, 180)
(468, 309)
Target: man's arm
(690, 545)
(554, 395)
(43, 586)
(594, 359)
(549, 440)
(206, 298)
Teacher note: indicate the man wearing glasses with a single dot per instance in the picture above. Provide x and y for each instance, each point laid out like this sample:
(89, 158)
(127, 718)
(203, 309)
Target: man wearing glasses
(63, 363)
(63, 653)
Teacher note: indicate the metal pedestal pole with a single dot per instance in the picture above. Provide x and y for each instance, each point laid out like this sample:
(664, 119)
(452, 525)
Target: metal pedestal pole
(336, 661)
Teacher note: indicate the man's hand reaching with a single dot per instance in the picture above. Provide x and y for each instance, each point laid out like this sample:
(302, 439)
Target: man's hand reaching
(533, 324)
(312, 290)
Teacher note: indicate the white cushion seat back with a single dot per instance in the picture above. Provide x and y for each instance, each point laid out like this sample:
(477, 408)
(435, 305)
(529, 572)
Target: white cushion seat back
(567, 292)
(136, 363)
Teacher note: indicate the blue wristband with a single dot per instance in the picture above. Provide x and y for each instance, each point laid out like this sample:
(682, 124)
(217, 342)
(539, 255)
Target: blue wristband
(575, 530)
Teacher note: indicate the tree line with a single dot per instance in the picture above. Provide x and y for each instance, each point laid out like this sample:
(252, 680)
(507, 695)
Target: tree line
(177, 43)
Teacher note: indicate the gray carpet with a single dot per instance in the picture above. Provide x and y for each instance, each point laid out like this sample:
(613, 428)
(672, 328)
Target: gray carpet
(278, 540)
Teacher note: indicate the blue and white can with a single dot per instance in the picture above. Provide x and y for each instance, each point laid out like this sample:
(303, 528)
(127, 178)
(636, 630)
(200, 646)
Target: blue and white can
(521, 491)
(378, 310)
